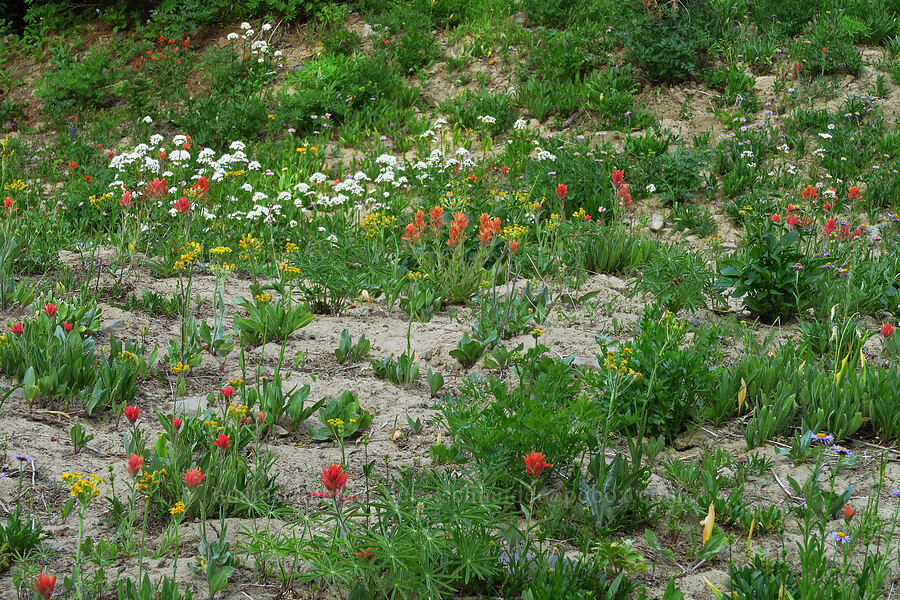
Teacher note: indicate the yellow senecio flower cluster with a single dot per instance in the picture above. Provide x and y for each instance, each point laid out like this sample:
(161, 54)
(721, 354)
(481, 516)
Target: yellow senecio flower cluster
(290, 271)
(514, 232)
(375, 223)
(618, 362)
(85, 488)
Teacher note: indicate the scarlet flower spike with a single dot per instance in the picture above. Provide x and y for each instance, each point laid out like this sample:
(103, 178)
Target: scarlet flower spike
(135, 464)
(535, 463)
(848, 513)
(193, 478)
(334, 479)
(223, 441)
(183, 205)
(44, 585)
(50, 309)
(562, 190)
(887, 330)
(132, 413)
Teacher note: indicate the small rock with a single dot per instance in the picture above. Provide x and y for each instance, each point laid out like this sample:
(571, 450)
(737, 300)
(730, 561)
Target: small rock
(693, 239)
(17, 394)
(656, 222)
(191, 405)
(587, 362)
(520, 17)
(367, 31)
(111, 326)
(280, 432)
(728, 246)
(657, 487)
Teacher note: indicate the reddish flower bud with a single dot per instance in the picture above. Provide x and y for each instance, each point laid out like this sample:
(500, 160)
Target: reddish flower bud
(132, 413)
(135, 464)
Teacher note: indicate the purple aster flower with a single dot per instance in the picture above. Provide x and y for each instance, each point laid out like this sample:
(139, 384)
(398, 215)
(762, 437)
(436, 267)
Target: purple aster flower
(839, 536)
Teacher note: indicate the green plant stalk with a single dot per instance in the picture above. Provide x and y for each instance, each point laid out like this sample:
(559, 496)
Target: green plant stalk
(143, 538)
(77, 574)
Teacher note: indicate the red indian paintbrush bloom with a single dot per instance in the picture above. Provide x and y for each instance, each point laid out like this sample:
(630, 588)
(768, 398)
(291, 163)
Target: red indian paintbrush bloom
(50, 309)
(182, 206)
(535, 463)
(132, 413)
(562, 190)
(618, 178)
(776, 218)
(125, 200)
(193, 478)
(157, 188)
(848, 513)
(201, 187)
(334, 479)
(67, 326)
(853, 193)
(436, 215)
(223, 441)
(887, 330)
(17, 328)
(135, 464)
(45, 584)
(227, 392)
(176, 423)
(459, 224)
(7, 204)
(809, 193)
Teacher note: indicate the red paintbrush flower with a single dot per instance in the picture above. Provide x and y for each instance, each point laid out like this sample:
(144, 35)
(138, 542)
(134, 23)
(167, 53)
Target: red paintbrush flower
(45, 584)
(535, 463)
(132, 413)
(135, 464)
(193, 478)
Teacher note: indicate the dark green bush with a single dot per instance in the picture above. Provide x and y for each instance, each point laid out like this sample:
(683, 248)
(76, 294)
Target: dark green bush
(671, 48)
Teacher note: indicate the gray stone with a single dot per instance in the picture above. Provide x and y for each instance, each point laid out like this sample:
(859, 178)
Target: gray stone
(17, 394)
(728, 246)
(657, 487)
(656, 222)
(367, 31)
(520, 17)
(588, 362)
(111, 326)
(191, 405)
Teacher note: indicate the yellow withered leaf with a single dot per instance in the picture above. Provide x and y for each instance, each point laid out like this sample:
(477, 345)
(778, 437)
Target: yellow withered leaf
(708, 522)
(750, 535)
(742, 394)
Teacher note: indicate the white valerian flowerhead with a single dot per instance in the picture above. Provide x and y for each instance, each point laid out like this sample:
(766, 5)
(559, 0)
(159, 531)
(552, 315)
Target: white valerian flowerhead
(245, 25)
(147, 119)
(232, 36)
